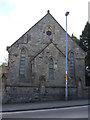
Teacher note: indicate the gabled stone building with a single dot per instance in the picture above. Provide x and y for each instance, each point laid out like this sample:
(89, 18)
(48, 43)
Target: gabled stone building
(37, 64)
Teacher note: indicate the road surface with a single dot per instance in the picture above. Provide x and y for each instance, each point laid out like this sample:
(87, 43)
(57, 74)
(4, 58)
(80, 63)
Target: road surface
(69, 112)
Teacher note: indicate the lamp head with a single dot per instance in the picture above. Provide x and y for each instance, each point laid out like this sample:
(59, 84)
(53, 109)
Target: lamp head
(66, 14)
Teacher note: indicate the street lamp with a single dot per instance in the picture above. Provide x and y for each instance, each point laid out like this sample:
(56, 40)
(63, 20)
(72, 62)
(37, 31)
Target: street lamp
(66, 89)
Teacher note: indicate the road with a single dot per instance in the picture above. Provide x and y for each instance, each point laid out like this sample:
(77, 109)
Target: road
(69, 112)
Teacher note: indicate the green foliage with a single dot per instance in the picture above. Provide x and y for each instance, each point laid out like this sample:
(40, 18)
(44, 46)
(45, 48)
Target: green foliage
(84, 38)
(74, 38)
(88, 59)
(4, 64)
(85, 42)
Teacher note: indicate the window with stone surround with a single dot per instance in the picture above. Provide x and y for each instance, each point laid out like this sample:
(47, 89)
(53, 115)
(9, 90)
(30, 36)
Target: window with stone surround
(72, 65)
(22, 63)
(51, 69)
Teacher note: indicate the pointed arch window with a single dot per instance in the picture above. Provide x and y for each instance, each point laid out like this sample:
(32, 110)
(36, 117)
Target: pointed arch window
(51, 69)
(22, 62)
(72, 65)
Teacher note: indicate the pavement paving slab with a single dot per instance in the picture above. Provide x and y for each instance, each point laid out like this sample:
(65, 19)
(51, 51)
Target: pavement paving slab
(42, 105)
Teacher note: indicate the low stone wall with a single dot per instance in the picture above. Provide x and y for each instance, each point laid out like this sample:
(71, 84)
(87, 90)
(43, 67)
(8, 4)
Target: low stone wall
(32, 94)
(19, 94)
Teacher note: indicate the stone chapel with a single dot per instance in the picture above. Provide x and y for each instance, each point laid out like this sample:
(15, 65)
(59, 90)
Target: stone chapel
(37, 61)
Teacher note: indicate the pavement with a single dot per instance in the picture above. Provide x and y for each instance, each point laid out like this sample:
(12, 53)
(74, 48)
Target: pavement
(42, 105)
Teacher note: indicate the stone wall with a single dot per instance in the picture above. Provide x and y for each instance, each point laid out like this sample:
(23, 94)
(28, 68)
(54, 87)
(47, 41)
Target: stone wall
(32, 94)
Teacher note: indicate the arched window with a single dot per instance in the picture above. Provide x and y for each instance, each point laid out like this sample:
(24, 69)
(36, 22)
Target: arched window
(51, 69)
(72, 65)
(22, 62)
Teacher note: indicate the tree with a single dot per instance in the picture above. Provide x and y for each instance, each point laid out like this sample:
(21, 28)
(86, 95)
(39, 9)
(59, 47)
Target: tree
(85, 45)
(85, 42)
(5, 63)
(84, 38)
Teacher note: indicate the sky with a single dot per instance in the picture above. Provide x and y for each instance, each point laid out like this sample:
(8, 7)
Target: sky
(17, 16)
(89, 11)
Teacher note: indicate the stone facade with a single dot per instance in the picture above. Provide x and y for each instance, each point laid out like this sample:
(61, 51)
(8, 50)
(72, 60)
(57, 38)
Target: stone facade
(37, 63)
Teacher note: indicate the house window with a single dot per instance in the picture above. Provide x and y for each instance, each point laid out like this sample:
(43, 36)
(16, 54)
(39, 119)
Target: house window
(51, 69)
(22, 62)
(72, 65)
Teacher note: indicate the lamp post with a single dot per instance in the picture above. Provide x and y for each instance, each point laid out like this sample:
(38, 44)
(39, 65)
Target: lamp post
(66, 89)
